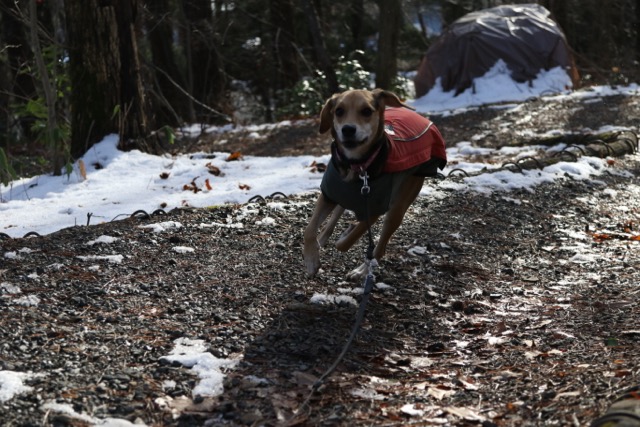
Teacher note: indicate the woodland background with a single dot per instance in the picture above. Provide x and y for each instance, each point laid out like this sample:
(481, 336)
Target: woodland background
(73, 71)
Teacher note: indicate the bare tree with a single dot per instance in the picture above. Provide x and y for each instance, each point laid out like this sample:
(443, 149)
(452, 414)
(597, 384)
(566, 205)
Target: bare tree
(206, 80)
(135, 123)
(322, 57)
(356, 18)
(52, 134)
(18, 86)
(282, 20)
(162, 21)
(637, 27)
(390, 23)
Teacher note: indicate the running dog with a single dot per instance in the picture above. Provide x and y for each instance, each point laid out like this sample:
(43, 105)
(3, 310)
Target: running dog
(381, 153)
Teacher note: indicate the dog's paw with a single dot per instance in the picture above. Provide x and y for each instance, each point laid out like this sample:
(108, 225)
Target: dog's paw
(312, 267)
(359, 273)
(311, 262)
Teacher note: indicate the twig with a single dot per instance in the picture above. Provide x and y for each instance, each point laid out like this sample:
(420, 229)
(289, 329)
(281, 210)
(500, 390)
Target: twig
(181, 89)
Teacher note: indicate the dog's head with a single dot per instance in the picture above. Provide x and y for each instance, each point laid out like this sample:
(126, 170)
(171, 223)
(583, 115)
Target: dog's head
(356, 119)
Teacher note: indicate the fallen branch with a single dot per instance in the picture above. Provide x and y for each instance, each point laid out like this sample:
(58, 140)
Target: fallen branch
(610, 144)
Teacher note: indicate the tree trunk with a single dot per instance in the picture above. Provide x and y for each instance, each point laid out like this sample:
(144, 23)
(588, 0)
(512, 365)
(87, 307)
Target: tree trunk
(94, 69)
(390, 24)
(283, 42)
(356, 16)
(107, 94)
(171, 83)
(135, 126)
(20, 85)
(324, 63)
(637, 27)
(206, 78)
(53, 134)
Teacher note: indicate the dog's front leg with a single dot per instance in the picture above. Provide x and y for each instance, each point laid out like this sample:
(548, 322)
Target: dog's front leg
(311, 247)
(328, 228)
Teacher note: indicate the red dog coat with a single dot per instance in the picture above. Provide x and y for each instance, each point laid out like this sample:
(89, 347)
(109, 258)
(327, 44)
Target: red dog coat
(413, 138)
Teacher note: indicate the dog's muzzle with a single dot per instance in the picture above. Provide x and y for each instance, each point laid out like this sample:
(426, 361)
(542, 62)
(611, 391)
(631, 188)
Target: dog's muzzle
(349, 131)
(348, 136)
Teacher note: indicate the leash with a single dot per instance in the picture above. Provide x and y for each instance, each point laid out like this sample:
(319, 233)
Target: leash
(372, 264)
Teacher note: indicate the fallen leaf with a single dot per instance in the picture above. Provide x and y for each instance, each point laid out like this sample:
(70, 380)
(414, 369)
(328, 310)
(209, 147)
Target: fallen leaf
(509, 374)
(467, 383)
(567, 394)
(244, 187)
(421, 386)
(532, 354)
(207, 184)
(494, 340)
(410, 410)
(466, 413)
(501, 327)
(164, 175)
(83, 169)
(439, 393)
(541, 324)
(317, 167)
(214, 170)
(421, 362)
(304, 379)
(192, 186)
(563, 334)
(282, 401)
(236, 155)
(366, 393)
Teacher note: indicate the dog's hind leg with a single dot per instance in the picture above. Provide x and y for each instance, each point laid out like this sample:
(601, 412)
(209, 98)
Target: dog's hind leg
(393, 218)
(352, 234)
(328, 228)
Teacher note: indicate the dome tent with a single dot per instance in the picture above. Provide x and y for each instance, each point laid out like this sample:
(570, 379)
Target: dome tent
(523, 36)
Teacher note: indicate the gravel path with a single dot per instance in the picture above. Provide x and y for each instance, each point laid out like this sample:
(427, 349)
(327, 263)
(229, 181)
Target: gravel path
(513, 309)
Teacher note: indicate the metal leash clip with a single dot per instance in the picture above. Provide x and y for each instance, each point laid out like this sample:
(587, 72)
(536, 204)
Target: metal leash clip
(365, 183)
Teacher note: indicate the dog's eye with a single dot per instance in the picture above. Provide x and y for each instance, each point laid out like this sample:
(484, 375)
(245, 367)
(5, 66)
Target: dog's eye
(367, 112)
(339, 112)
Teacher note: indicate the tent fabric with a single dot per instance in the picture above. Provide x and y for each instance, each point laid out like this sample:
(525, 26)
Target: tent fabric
(523, 36)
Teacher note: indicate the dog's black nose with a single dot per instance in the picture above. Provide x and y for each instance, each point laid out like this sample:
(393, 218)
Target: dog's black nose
(348, 131)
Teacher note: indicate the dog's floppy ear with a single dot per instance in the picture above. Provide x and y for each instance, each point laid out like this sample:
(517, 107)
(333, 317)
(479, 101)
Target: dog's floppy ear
(326, 115)
(387, 98)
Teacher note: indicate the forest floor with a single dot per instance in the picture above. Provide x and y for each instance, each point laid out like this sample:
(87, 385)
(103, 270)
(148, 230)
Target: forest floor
(510, 309)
